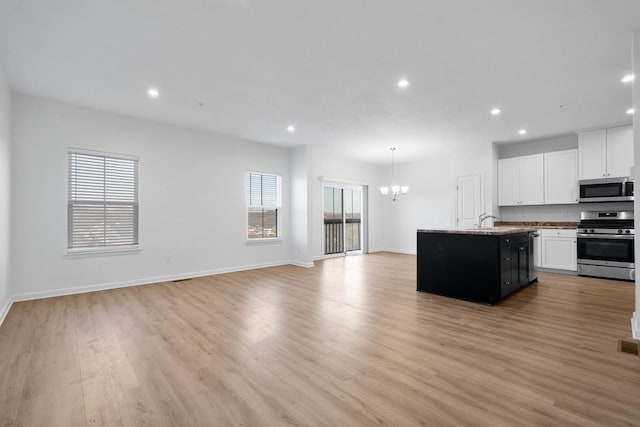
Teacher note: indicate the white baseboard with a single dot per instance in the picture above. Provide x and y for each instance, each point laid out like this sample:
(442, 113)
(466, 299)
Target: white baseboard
(397, 251)
(557, 271)
(5, 310)
(635, 325)
(145, 281)
(302, 264)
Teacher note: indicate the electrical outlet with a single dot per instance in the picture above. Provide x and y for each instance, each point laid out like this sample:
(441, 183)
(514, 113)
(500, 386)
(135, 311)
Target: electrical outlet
(169, 260)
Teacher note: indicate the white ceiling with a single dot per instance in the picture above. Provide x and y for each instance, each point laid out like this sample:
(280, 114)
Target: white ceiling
(330, 66)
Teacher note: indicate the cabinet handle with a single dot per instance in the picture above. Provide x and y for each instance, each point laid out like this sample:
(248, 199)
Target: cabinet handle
(507, 259)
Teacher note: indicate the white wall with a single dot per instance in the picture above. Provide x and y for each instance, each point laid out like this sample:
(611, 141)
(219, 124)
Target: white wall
(300, 227)
(325, 164)
(432, 198)
(537, 146)
(557, 212)
(5, 192)
(635, 321)
(192, 199)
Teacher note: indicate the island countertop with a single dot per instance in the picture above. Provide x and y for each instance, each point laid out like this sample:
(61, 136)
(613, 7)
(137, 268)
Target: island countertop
(538, 224)
(488, 231)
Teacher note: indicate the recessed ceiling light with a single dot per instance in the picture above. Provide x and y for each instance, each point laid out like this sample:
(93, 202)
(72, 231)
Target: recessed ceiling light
(631, 110)
(153, 92)
(495, 111)
(403, 83)
(628, 78)
(291, 128)
(522, 131)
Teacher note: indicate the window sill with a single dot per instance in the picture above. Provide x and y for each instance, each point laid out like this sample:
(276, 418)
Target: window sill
(86, 253)
(264, 241)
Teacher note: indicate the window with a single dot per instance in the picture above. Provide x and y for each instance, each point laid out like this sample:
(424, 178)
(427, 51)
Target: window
(263, 205)
(103, 202)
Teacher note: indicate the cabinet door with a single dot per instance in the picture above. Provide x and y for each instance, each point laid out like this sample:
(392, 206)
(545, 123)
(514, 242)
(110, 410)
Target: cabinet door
(619, 151)
(561, 177)
(509, 273)
(592, 154)
(508, 182)
(523, 264)
(559, 253)
(531, 180)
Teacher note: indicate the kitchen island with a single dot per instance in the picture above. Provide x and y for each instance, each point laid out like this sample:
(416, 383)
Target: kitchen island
(481, 265)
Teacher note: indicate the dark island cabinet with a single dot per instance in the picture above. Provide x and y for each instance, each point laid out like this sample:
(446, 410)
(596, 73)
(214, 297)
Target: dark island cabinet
(475, 267)
(514, 263)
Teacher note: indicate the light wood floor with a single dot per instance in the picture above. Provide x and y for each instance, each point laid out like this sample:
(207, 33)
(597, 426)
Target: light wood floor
(347, 343)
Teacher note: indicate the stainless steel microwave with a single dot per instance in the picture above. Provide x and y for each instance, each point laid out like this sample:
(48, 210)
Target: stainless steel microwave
(606, 190)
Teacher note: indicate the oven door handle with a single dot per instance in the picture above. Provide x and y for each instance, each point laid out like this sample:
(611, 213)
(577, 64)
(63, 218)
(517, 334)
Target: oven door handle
(606, 236)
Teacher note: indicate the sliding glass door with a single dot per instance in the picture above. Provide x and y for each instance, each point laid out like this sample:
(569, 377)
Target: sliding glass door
(342, 220)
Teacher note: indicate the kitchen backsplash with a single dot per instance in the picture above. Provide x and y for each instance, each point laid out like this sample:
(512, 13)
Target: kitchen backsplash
(557, 212)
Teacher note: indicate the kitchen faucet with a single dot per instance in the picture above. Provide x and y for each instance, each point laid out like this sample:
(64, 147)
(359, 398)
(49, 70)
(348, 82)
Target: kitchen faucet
(484, 216)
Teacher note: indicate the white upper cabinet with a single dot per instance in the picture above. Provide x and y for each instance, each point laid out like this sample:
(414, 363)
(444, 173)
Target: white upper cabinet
(561, 177)
(508, 192)
(520, 181)
(532, 180)
(619, 151)
(606, 153)
(592, 149)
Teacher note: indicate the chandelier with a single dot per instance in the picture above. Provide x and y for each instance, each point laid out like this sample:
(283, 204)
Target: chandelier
(394, 189)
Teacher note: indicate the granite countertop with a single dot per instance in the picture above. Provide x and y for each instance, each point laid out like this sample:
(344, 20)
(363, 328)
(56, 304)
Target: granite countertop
(537, 224)
(487, 231)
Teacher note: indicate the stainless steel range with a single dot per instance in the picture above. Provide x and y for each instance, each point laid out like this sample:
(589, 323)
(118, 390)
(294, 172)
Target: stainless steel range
(605, 245)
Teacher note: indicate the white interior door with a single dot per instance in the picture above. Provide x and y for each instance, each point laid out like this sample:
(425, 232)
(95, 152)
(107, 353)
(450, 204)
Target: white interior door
(470, 200)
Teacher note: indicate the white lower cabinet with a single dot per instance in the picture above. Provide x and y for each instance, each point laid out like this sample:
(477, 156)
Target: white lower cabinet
(558, 249)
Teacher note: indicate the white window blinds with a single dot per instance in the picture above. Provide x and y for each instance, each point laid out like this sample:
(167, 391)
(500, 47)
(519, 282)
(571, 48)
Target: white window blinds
(103, 201)
(263, 202)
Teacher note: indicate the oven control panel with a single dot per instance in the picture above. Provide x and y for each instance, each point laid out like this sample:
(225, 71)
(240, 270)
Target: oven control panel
(624, 231)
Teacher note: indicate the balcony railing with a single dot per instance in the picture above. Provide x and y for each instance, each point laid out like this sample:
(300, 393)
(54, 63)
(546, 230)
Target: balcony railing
(335, 237)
